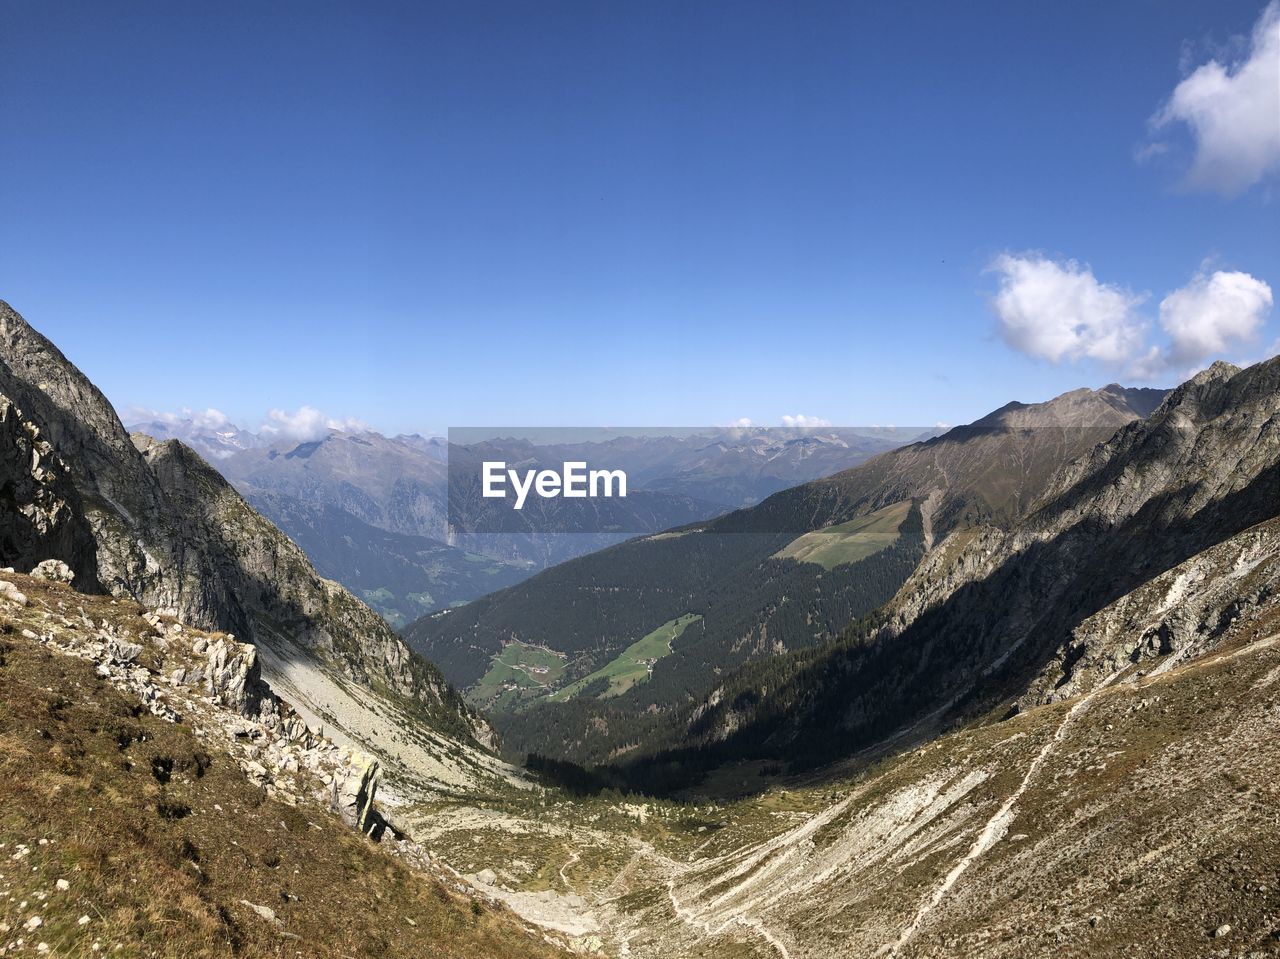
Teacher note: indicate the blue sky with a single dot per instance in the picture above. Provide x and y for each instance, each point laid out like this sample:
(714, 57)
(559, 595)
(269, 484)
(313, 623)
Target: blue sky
(446, 214)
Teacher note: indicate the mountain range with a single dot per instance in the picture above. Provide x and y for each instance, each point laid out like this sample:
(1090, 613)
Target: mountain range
(1008, 691)
(789, 574)
(339, 495)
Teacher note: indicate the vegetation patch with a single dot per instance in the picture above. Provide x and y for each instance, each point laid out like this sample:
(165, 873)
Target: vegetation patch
(634, 664)
(848, 542)
(517, 672)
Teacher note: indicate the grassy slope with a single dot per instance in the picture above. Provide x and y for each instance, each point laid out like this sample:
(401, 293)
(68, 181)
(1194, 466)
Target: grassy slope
(165, 868)
(631, 666)
(848, 542)
(530, 668)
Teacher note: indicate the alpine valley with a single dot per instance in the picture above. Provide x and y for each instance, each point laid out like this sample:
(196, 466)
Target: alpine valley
(1008, 691)
(372, 512)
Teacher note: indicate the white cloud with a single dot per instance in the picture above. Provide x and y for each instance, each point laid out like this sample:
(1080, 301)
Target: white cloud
(1059, 311)
(307, 424)
(349, 424)
(209, 419)
(1233, 112)
(743, 423)
(1213, 313)
(804, 422)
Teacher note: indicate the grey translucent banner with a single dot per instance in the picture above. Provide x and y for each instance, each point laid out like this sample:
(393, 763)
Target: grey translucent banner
(614, 483)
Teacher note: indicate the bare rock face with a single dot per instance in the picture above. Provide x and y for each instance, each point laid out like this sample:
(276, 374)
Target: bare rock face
(1185, 612)
(40, 512)
(354, 790)
(153, 522)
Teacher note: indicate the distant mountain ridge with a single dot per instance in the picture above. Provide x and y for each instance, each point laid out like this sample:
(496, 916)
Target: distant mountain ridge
(211, 437)
(733, 572)
(1082, 407)
(399, 575)
(340, 492)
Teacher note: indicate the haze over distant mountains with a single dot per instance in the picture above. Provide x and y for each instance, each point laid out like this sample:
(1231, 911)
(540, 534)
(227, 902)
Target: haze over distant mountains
(372, 511)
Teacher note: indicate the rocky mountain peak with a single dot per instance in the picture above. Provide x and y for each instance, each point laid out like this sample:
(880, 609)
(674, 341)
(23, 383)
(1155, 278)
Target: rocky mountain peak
(169, 532)
(1112, 405)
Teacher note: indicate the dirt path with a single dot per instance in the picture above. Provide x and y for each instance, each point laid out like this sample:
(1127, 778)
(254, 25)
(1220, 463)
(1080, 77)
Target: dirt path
(573, 858)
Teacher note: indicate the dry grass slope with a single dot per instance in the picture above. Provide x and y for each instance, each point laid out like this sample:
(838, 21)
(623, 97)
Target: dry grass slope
(118, 829)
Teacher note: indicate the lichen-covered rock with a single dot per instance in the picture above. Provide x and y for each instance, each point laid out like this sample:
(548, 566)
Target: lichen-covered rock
(54, 570)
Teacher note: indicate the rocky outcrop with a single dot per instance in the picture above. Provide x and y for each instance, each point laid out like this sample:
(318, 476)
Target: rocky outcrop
(54, 570)
(354, 792)
(1183, 613)
(40, 511)
(153, 522)
(208, 681)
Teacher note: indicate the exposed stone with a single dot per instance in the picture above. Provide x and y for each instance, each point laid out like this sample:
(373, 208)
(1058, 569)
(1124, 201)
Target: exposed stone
(54, 570)
(11, 593)
(354, 790)
(119, 651)
(264, 912)
(45, 517)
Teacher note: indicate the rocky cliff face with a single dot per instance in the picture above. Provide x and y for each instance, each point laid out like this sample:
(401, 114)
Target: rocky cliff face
(169, 532)
(41, 516)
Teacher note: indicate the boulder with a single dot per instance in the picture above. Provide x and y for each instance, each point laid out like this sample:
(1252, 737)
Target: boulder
(354, 788)
(231, 673)
(53, 570)
(12, 593)
(121, 652)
